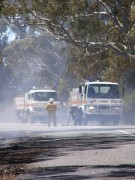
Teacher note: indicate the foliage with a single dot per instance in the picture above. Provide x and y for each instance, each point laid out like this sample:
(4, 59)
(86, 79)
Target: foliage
(118, 69)
(101, 34)
(131, 33)
(95, 26)
(35, 61)
(105, 66)
(85, 66)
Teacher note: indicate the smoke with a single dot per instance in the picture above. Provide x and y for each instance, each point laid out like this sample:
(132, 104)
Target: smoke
(7, 113)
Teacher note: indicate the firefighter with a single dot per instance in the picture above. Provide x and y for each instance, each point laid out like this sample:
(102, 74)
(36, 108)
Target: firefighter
(51, 108)
(79, 116)
(76, 114)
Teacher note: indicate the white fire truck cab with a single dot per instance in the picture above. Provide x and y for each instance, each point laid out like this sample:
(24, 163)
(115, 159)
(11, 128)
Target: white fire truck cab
(99, 101)
(32, 105)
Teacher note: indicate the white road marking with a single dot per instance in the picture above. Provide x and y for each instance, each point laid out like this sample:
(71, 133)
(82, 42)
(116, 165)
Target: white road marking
(125, 132)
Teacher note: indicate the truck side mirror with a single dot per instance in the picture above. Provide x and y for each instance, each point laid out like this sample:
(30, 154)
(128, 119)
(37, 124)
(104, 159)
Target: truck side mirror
(80, 89)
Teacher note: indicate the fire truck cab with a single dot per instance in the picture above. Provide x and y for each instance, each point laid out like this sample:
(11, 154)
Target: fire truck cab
(32, 104)
(99, 101)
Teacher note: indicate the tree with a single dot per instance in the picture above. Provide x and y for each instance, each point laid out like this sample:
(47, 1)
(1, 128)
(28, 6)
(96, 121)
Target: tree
(103, 30)
(105, 66)
(96, 26)
(35, 61)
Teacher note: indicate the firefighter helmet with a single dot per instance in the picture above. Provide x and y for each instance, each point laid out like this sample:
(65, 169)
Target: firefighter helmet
(51, 100)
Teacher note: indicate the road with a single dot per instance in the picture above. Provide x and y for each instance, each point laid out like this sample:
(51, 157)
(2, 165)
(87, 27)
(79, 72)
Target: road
(67, 152)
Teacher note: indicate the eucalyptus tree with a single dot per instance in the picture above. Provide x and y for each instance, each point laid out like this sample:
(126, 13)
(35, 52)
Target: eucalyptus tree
(35, 61)
(103, 30)
(94, 25)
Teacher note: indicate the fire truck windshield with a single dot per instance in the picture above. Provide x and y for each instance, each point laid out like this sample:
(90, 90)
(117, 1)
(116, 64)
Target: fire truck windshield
(45, 96)
(109, 91)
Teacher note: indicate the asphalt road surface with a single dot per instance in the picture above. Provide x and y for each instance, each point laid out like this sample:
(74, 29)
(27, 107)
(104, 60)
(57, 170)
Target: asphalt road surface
(37, 152)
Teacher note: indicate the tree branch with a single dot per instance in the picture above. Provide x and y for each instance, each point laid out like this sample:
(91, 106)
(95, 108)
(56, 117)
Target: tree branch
(117, 50)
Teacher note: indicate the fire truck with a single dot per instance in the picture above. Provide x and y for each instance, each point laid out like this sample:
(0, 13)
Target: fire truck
(31, 106)
(99, 101)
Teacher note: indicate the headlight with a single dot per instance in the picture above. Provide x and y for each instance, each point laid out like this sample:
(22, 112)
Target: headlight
(92, 107)
(116, 108)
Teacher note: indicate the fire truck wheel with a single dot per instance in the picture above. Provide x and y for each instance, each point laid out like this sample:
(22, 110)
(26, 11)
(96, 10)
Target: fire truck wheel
(31, 120)
(75, 122)
(85, 122)
(29, 117)
(102, 122)
(24, 121)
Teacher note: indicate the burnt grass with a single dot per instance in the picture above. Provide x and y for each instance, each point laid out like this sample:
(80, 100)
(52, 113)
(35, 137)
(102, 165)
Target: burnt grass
(22, 151)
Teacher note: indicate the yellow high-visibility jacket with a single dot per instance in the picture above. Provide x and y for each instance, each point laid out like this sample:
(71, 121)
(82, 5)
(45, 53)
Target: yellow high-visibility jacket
(51, 108)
